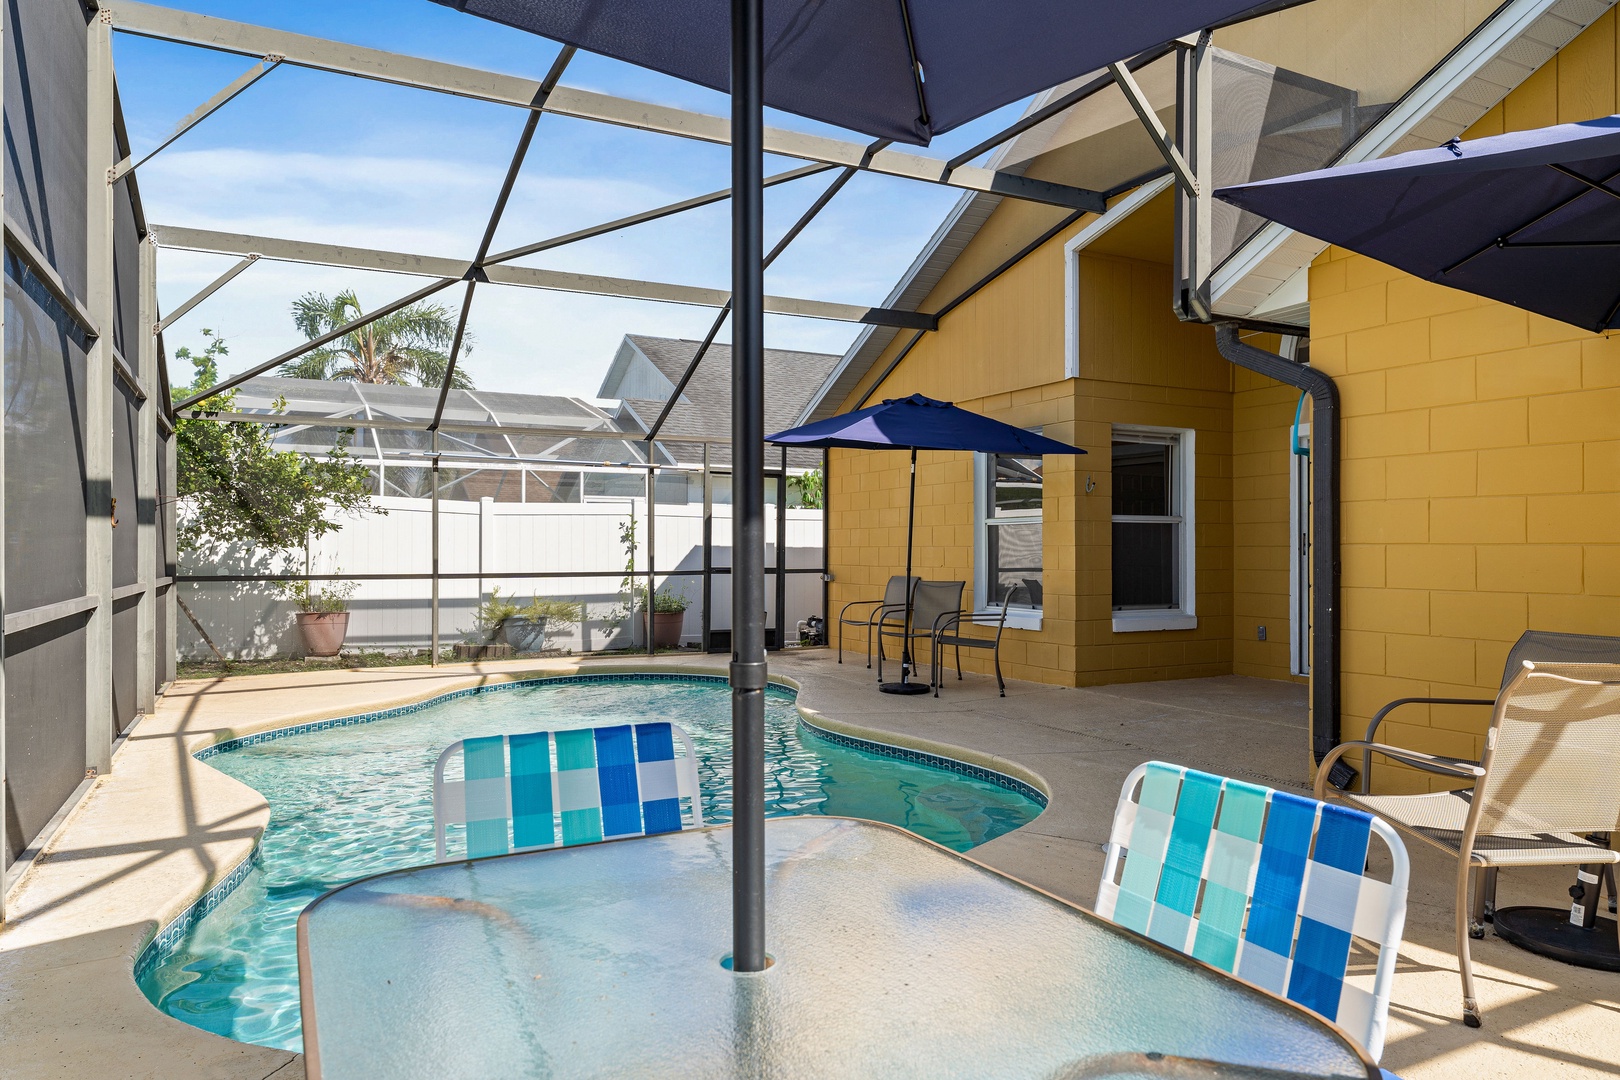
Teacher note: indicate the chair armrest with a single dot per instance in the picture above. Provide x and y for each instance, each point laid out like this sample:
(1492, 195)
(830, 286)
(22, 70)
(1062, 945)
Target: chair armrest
(946, 620)
(1378, 717)
(881, 615)
(856, 603)
(1467, 770)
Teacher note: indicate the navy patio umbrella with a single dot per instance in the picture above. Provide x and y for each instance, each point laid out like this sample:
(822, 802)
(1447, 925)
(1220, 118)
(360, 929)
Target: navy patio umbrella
(897, 69)
(918, 423)
(1531, 218)
(905, 70)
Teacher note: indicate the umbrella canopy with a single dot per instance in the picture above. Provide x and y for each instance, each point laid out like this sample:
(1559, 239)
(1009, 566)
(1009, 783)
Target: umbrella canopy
(1530, 218)
(921, 423)
(905, 70)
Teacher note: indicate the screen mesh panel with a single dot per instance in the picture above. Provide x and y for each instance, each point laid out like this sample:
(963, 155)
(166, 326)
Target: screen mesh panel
(45, 752)
(126, 275)
(126, 511)
(45, 116)
(44, 396)
(126, 640)
(1270, 122)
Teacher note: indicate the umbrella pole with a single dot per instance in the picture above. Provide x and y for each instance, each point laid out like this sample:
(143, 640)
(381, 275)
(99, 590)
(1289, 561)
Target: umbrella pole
(905, 685)
(748, 487)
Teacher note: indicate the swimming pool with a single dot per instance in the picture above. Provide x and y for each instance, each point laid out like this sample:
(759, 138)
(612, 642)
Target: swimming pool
(356, 799)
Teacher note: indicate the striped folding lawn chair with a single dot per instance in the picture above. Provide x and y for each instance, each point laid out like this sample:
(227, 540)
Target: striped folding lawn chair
(1260, 883)
(560, 788)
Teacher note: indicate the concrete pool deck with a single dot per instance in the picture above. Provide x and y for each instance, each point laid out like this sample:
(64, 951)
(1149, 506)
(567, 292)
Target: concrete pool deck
(158, 831)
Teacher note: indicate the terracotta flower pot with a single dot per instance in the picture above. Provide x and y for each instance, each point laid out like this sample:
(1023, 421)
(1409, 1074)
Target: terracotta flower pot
(323, 631)
(667, 629)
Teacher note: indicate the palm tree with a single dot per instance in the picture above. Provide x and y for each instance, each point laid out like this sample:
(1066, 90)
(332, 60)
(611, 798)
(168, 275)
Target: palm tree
(411, 346)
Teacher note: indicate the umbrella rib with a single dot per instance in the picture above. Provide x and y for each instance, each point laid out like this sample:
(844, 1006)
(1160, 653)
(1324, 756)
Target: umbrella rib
(916, 64)
(1614, 309)
(1558, 243)
(1501, 241)
(1578, 178)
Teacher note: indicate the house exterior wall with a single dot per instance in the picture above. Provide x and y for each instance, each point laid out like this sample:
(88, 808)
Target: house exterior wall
(1262, 414)
(1002, 354)
(1481, 464)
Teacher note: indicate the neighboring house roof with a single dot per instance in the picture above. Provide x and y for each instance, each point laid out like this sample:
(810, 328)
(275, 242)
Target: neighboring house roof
(791, 380)
(1264, 277)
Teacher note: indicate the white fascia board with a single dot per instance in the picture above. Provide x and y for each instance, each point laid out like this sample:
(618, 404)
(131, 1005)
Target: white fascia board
(1483, 70)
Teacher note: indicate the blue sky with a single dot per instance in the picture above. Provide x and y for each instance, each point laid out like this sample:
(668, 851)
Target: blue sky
(307, 155)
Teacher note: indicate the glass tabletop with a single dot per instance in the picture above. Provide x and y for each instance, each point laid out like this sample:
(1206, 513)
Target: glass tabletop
(893, 957)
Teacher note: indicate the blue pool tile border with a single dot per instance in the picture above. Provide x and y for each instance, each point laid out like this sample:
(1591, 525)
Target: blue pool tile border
(402, 710)
(170, 937)
(922, 757)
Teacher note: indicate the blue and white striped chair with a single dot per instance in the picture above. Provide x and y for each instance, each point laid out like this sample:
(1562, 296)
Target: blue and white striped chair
(1259, 883)
(563, 788)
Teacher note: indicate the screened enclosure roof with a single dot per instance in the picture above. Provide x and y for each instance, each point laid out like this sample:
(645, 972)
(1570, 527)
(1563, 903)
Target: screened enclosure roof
(392, 422)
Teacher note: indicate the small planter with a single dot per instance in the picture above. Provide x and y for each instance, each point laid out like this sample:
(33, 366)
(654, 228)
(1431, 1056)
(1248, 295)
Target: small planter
(323, 631)
(667, 629)
(525, 634)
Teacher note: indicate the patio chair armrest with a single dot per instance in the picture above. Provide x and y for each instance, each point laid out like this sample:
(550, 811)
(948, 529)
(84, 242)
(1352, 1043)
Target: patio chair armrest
(946, 620)
(857, 603)
(1378, 717)
(880, 617)
(1466, 770)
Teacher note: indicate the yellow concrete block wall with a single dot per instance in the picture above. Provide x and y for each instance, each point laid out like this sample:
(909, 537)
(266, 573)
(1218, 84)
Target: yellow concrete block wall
(1262, 414)
(1002, 354)
(1481, 464)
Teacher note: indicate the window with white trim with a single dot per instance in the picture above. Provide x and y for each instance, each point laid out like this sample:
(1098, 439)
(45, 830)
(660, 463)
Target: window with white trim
(1153, 536)
(1008, 500)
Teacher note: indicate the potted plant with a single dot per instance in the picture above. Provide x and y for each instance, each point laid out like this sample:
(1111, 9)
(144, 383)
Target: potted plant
(323, 614)
(526, 629)
(491, 619)
(668, 615)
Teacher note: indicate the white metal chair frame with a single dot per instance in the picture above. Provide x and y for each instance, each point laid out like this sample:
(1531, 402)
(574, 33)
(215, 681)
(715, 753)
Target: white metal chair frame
(1379, 909)
(449, 794)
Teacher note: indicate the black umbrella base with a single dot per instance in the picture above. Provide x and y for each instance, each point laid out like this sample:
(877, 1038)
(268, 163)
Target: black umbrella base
(1548, 932)
(903, 687)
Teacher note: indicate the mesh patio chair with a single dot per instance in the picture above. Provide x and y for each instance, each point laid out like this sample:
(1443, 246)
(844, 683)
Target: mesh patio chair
(1540, 646)
(1548, 775)
(560, 788)
(931, 601)
(1263, 884)
(894, 597)
(948, 632)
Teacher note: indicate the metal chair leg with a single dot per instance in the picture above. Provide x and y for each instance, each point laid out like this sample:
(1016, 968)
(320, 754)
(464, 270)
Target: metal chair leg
(959, 663)
(1000, 682)
(1483, 880)
(1471, 1015)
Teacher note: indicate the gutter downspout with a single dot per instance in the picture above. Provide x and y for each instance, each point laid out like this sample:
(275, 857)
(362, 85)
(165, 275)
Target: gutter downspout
(1325, 688)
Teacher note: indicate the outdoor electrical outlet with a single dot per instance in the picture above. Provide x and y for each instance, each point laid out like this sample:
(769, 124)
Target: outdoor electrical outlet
(1260, 634)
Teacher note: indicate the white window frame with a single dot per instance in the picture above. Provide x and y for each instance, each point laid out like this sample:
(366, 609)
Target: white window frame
(1184, 503)
(1021, 618)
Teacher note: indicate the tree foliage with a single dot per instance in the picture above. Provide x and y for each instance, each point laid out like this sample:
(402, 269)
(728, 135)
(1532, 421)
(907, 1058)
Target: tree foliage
(409, 347)
(239, 488)
(810, 487)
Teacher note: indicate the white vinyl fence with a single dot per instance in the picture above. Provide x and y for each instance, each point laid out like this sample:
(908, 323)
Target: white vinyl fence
(252, 619)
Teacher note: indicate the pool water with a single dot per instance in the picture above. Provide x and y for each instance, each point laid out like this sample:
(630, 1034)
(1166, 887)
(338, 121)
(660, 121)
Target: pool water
(355, 800)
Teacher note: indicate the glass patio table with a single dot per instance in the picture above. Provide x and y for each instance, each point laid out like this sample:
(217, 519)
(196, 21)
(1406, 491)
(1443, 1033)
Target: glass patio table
(892, 957)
